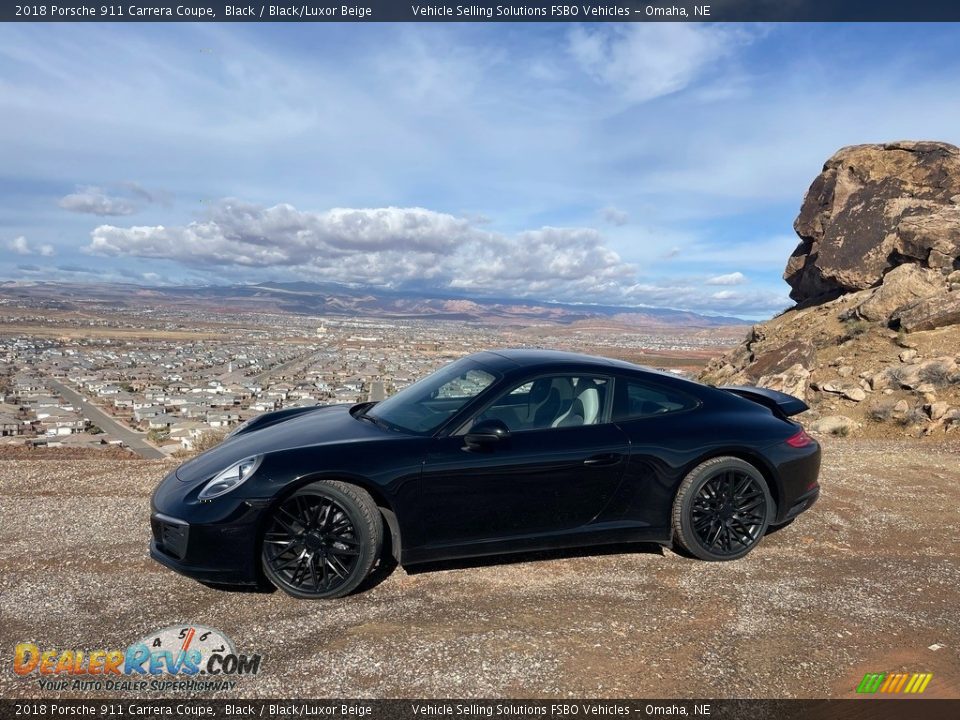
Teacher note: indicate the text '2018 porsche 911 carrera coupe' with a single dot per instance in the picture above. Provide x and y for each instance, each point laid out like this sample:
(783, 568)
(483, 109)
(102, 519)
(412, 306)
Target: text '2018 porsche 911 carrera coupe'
(498, 452)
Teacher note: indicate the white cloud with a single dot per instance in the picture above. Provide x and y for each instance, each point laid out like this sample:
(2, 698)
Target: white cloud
(129, 199)
(21, 246)
(643, 61)
(734, 278)
(238, 233)
(94, 201)
(415, 248)
(391, 246)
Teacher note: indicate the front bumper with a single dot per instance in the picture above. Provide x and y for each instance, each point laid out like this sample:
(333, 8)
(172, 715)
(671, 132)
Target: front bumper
(202, 552)
(222, 554)
(213, 542)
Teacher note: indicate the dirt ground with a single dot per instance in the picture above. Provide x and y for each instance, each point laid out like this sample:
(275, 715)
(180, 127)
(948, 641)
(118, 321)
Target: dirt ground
(866, 581)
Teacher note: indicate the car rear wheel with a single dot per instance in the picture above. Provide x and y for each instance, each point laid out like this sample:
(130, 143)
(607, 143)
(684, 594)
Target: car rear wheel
(722, 509)
(322, 541)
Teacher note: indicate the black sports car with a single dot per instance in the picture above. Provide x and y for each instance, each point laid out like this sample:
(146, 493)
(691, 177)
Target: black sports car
(498, 452)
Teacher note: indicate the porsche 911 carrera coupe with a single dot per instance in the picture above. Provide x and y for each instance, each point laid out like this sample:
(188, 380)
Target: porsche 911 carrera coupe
(498, 452)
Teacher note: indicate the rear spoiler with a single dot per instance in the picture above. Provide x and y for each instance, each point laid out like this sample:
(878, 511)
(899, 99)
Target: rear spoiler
(781, 403)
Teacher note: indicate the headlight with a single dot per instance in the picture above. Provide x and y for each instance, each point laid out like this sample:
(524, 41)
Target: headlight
(230, 479)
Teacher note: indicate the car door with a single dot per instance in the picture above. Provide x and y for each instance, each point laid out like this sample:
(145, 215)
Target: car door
(550, 474)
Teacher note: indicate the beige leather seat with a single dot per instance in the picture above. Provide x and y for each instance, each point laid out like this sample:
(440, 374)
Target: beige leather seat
(585, 409)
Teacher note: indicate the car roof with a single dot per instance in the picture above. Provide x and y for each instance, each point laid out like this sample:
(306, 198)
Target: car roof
(530, 358)
(511, 360)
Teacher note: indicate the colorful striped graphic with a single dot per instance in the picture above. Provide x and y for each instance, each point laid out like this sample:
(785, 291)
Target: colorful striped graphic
(907, 683)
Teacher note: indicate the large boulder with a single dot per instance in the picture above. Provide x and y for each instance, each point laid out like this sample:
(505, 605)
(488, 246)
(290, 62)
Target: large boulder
(780, 359)
(873, 344)
(834, 425)
(901, 286)
(792, 381)
(872, 208)
(930, 313)
(932, 237)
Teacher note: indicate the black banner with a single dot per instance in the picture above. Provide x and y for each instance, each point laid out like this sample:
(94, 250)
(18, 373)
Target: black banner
(853, 709)
(483, 11)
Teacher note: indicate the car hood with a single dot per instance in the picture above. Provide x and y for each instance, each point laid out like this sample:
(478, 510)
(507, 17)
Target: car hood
(328, 425)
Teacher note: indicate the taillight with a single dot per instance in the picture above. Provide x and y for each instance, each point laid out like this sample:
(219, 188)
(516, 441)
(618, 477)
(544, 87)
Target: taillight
(800, 440)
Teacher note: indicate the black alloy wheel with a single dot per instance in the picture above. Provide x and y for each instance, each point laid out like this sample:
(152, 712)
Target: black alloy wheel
(722, 510)
(322, 541)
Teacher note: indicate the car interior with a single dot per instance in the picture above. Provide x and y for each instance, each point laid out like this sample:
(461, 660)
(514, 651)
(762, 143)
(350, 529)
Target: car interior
(550, 402)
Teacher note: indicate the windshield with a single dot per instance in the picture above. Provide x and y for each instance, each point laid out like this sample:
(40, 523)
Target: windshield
(428, 403)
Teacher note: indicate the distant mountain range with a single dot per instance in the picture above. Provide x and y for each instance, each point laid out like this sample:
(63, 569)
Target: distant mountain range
(305, 298)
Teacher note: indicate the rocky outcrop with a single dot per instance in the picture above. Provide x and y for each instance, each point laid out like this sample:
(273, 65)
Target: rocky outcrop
(776, 360)
(874, 341)
(901, 286)
(834, 425)
(932, 312)
(872, 208)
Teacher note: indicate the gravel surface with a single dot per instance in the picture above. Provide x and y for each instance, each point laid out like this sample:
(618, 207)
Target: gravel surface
(867, 581)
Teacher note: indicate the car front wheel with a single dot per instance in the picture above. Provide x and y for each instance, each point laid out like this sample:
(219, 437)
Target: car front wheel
(322, 541)
(722, 509)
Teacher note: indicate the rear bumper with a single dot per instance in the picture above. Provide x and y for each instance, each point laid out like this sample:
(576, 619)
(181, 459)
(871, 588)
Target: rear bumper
(798, 488)
(802, 504)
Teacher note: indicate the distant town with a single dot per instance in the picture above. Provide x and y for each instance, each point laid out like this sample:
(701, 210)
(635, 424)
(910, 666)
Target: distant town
(160, 380)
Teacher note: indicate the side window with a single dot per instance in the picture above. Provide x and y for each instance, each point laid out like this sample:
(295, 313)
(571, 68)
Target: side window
(637, 400)
(553, 401)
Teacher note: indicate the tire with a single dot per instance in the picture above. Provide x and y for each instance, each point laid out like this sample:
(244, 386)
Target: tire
(707, 524)
(322, 541)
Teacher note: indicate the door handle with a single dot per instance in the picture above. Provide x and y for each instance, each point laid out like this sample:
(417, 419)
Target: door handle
(605, 459)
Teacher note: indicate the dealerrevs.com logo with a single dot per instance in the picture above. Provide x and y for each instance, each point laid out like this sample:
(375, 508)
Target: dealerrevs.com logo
(180, 657)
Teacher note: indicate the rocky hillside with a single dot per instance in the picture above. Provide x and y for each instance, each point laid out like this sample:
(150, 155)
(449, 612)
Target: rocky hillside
(873, 344)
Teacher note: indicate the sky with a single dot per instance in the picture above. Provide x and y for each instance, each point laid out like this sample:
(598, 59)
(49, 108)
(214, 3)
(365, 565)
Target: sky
(630, 164)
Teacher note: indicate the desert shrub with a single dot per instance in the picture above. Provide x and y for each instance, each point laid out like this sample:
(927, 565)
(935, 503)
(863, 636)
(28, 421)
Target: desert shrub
(881, 413)
(897, 374)
(937, 374)
(853, 328)
(915, 416)
(209, 439)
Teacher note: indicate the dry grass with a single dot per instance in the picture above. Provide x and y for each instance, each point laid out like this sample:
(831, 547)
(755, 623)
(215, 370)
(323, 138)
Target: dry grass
(28, 452)
(207, 440)
(937, 374)
(854, 329)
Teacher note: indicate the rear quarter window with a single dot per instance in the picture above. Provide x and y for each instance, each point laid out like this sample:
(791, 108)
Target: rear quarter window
(636, 400)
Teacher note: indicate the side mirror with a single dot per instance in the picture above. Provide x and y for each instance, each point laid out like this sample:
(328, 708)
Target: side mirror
(485, 434)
